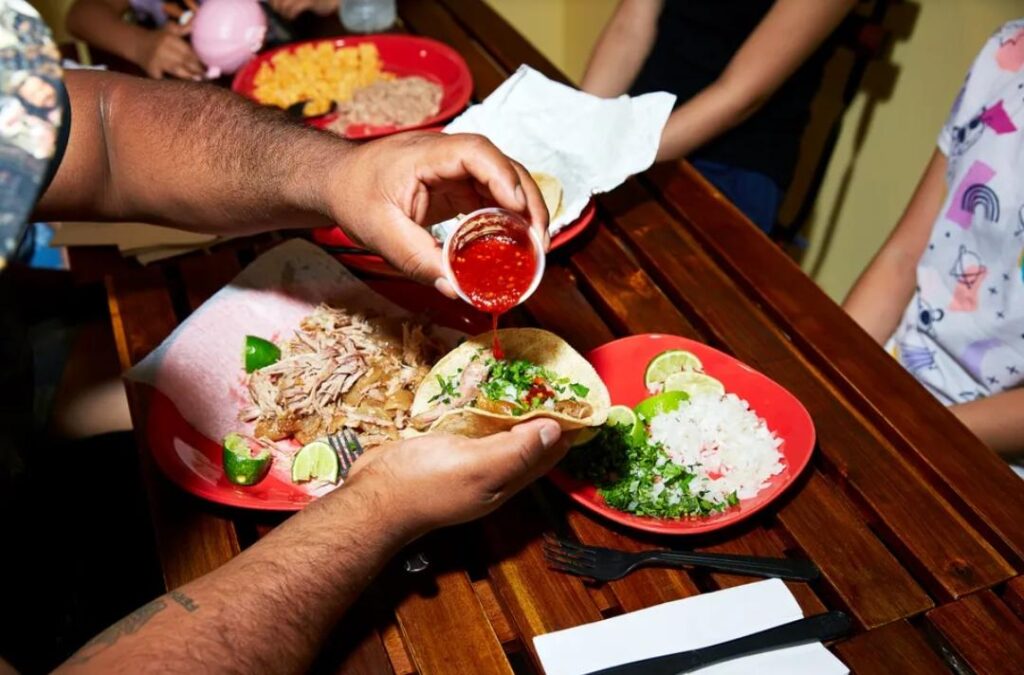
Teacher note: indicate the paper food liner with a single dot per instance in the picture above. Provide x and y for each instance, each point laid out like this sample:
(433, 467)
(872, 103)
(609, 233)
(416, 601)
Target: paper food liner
(199, 367)
(592, 145)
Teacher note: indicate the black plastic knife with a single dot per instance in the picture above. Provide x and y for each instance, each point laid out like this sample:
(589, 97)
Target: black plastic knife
(816, 628)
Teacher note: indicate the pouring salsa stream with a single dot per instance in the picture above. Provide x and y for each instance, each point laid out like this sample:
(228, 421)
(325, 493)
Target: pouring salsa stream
(495, 262)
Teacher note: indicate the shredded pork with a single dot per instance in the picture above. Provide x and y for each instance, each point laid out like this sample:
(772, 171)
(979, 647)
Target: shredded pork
(341, 369)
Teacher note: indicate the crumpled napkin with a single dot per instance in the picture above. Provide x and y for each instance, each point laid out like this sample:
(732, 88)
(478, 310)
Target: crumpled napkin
(591, 144)
(690, 623)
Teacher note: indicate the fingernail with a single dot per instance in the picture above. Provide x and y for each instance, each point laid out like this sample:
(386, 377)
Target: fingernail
(444, 287)
(549, 434)
(520, 197)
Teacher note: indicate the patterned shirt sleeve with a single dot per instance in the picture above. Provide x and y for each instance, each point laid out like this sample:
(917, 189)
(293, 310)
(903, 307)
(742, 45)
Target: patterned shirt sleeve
(960, 128)
(31, 115)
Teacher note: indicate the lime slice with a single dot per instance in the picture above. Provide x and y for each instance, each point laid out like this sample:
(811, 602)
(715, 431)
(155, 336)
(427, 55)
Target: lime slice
(241, 466)
(649, 408)
(667, 363)
(623, 414)
(694, 383)
(259, 353)
(315, 460)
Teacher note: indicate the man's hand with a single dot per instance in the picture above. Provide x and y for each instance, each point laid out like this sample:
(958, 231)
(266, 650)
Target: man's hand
(384, 192)
(438, 479)
(289, 9)
(165, 52)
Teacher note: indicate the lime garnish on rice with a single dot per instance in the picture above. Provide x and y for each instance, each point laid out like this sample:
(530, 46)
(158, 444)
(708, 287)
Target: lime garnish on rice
(668, 363)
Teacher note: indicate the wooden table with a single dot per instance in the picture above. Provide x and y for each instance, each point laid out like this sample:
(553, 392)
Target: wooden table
(916, 526)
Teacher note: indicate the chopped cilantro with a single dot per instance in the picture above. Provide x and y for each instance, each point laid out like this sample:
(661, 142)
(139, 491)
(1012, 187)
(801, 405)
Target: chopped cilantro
(448, 390)
(579, 389)
(634, 475)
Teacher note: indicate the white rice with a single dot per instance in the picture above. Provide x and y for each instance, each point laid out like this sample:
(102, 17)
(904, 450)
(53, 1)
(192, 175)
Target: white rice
(721, 436)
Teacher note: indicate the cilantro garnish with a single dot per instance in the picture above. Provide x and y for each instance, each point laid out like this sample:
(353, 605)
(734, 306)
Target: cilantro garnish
(448, 391)
(579, 389)
(626, 469)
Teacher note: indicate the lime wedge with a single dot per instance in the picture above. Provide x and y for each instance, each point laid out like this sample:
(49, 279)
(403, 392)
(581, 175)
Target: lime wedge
(315, 460)
(241, 466)
(259, 353)
(623, 415)
(649, 408)
(694, 383)
(667, 363)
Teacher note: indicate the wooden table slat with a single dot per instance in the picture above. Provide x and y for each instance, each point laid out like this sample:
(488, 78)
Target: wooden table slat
(982, 632)
(190, 542)
(894, 648)
(538, 599)
(971, 474)
(1013, 595)
(581, 327)
(398, 655)
(447, 630)
(957, 558)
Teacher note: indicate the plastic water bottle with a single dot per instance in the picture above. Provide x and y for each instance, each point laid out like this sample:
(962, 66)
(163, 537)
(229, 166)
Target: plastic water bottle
(367, 16)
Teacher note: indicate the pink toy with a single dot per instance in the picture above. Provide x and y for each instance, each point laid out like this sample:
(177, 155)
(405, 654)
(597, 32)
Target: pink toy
(226, 33)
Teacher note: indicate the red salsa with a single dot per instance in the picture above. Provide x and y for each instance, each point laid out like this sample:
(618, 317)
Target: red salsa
(495, 269)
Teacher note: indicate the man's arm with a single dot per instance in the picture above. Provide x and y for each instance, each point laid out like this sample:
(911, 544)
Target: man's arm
(880, 296)
(997, 421)
(269, 609)
(622, 48)
(787, 35)
(200, 158)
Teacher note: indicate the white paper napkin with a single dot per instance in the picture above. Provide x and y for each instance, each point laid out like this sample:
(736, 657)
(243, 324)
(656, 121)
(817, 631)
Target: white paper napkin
(591, 144)
(699, 621)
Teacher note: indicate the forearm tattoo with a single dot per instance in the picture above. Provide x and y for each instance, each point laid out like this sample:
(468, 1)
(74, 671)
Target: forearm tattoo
(129, 625)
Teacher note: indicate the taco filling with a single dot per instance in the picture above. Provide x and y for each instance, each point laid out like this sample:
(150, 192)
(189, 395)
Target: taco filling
(512, 387)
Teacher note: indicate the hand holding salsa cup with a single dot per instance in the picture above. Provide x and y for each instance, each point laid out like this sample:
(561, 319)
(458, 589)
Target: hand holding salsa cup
(494, 260)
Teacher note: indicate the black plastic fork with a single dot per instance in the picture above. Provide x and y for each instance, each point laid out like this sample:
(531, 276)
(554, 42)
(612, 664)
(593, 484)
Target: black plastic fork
(606, 564)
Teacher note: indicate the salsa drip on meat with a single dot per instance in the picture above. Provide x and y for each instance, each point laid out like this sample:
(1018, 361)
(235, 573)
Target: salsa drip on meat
(341, 369)
(511, 387)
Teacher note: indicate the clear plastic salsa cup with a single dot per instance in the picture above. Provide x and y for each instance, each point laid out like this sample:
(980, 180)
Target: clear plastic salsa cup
(493, 259)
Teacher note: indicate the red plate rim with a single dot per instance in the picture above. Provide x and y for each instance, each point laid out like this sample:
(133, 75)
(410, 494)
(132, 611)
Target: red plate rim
(797, 446)
(459, 91)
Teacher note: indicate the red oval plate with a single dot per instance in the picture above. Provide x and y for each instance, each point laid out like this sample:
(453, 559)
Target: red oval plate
(193, 462)
(333, 238)
(621, 365)
(403, 55)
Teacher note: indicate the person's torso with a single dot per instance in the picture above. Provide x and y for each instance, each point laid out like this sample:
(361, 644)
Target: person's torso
(696, 40)
(962, 335)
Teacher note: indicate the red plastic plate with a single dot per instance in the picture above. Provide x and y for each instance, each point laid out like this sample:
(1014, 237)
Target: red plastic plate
(193, 461)
(403, 55)
(333, 237)
(621, 365)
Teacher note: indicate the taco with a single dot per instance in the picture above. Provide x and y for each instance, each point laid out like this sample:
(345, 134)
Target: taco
(551, 190)
(471, 393)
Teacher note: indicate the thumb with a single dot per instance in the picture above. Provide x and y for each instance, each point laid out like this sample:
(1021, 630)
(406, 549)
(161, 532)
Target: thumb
(523, 454)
